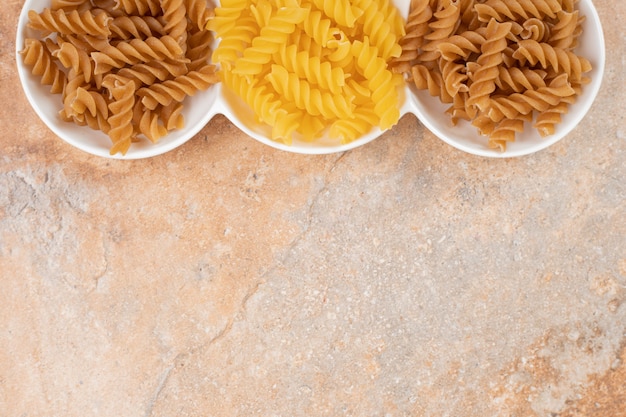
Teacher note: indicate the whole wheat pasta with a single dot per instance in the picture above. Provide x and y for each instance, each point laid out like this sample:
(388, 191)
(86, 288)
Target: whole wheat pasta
(505, 63)
(38, 57)
(104, 57)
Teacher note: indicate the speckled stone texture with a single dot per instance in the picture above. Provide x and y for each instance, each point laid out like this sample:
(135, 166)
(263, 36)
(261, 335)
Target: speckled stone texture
(402, 278)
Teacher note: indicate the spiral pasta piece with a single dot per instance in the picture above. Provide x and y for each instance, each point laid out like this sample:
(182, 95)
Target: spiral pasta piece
(227, 16)
(76, 59)
(459, 47)
(311, 68)
(420, 14)
(258, 96)
(262, 12)
(483, 80)
(458, 109)
(175, 17)
(528, 101)
(315, 101)
(445, 23)
(139, 7)
(136, 51)
(199, 48)
(505, 132)
(177, 89)
(564, 31)
(550, 57)
(340, 52)
(97, 122)
(341, 11)
(503, 10)
(346, 129)
(87, 101)
(85, 42)
(171, 116)
(138, 27)
(286, 123)
(380, 80)
(518, 80)
(121, 116)
(548, 119)
(198, 13)
(454, 78)
(306, 43)
(75, 81)
(431, 80)
(272, 36)
(154, 71)
(379, 31)
(535, 29)
(72, 22)
(468, 18)
(148, 123)
(38, 57)
(319, 28)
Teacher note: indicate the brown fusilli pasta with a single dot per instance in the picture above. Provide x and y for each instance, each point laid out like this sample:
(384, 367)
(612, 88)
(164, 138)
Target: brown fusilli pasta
(499, 63)
(105, 56)
(71, 22)
(37, 56)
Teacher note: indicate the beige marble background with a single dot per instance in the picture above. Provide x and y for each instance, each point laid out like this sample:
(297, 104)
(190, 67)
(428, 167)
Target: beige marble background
(225, 278)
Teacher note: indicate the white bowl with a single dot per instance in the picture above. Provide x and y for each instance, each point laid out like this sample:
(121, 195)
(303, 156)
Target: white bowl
(196, 109)
(431, 112)
(202, 107)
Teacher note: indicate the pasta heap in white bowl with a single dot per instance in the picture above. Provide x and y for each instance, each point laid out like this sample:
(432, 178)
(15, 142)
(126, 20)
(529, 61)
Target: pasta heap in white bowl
(123, 79)
(310, 75)
(502, 78)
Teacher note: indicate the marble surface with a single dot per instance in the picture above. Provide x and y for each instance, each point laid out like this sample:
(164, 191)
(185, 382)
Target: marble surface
(226, 278)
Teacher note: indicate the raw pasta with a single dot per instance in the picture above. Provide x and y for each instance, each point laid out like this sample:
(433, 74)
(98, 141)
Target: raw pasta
(175, 14)
(95, 23)
(122, 66)
(136, 27)
(68, 4)
(176, 90)
(39, 58)
(138, 7)
(500, 64)
(310, 67)
(122, 132)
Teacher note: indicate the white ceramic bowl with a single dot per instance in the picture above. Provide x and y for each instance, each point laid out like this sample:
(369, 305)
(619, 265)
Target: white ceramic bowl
(463, 136)
(196, 110)
(202, 107)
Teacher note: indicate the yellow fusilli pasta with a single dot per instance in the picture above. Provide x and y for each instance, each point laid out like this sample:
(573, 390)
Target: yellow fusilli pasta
(309, 67)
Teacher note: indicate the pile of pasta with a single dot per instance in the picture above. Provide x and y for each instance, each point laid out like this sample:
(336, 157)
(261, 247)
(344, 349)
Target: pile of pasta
(122, 66)
(498, 63)
(311, 68)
